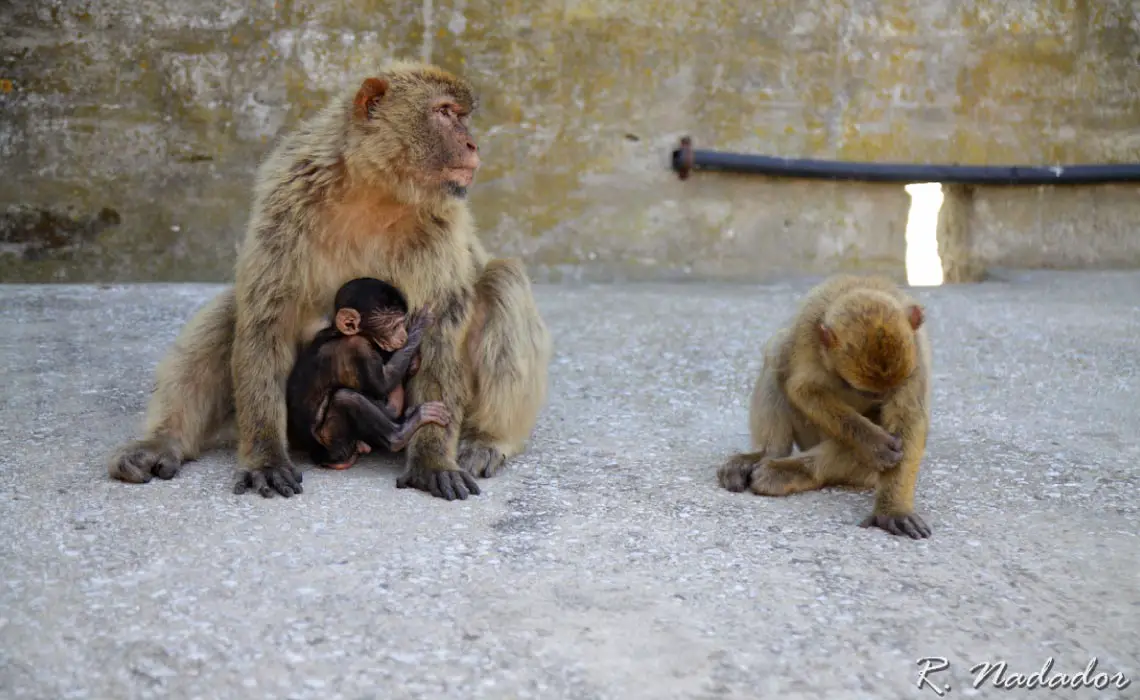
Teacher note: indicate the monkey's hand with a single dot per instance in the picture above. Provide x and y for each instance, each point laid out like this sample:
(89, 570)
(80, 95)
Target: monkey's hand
(419, 322)
(911, 525)
(279, 477)
(435, 412)
(885, 450)
(446, 482)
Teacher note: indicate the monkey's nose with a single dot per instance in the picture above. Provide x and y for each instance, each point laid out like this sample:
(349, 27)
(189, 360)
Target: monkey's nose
(472, 147)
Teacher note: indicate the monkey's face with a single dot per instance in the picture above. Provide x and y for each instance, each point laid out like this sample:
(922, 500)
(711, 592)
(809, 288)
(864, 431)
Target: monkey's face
(455, 156)
(386, 327)
(873, 359)
(415, 125)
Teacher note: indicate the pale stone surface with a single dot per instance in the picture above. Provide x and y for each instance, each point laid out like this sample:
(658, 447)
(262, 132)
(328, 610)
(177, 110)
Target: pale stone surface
(605, 563)
(160, 111)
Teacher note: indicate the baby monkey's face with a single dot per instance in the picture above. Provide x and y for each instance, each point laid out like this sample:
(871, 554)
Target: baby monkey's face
(388, 328)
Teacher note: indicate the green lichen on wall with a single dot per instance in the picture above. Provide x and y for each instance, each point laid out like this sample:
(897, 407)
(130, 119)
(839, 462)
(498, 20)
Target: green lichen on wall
(161, 110)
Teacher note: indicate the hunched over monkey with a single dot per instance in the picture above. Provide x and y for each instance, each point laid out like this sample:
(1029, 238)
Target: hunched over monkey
(848, 383)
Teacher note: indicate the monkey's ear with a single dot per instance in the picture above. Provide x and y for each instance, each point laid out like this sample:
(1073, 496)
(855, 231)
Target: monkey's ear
(915, 315)
(826, 336)
(348, 321)
(371, 91)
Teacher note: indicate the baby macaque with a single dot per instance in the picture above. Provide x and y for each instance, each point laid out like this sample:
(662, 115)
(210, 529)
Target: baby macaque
(345, 394)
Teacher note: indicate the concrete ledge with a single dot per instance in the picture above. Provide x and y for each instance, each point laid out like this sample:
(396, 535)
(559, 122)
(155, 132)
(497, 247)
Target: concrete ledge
(605, 563)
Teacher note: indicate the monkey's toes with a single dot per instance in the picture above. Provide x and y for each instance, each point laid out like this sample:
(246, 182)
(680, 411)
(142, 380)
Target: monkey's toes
(435, 412)
(481, 460)
(736, 474)
(446, 484)
(911, 525)
(283, 479)
(141, 461)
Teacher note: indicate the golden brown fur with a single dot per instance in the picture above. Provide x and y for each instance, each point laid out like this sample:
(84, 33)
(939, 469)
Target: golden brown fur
(846, 383)
(366, 188)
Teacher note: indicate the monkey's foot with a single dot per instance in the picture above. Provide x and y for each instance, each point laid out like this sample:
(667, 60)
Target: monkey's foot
(481, 460)
(771, 479)
(910, 525)
(362, 448)
(139, 461)
(736, 473)
(282, 478)
(341, 466)
(448, 484)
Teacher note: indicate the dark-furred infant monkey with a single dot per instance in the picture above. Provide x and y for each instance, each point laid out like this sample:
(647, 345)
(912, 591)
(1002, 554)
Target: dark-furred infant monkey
(345, 393)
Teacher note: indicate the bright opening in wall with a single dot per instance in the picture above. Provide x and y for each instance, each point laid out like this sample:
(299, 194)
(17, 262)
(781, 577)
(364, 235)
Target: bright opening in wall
(923, 266)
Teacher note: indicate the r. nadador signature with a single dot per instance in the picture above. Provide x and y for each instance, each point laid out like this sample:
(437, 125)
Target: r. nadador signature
(1045, 678)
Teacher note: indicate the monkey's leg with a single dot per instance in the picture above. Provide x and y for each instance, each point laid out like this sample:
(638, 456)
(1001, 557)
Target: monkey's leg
(771, 427)
(906, 416)
(369, 421)
(264, 350)
(396, 401)
(830, 463)
(508, 347)
(336, 445)
(192, 399)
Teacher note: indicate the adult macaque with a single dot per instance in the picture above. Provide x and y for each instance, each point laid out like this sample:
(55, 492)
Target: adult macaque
(372, 186)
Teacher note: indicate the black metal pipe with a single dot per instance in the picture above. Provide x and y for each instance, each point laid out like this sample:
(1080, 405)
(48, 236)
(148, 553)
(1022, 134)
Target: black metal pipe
(687, 159)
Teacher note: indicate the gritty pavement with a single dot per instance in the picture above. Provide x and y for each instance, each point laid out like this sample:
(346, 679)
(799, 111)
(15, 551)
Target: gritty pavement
(605, 562)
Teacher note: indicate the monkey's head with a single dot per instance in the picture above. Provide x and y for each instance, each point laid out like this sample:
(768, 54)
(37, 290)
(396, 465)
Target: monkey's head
(374, 309)
(410, 123)
(868, 340)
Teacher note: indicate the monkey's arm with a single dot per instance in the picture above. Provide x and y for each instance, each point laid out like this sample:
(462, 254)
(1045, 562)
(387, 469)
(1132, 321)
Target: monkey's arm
(443, 378)
(263, 354)
(835, 418)
(907, 415)
(379, 379)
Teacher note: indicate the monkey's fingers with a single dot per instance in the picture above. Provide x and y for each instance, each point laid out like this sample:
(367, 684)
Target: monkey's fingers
(888, 457)
(282, 479)
(435, 412)
(461, 484)
(442, 483)
(243, 483)
(144, 460)
(736, 474)
(910, 525)
(480, 460)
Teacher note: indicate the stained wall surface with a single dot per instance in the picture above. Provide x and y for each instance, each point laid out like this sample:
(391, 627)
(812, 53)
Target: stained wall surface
(129, 131)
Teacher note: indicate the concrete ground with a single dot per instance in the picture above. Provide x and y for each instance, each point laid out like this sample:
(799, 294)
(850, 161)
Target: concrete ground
(606, 562)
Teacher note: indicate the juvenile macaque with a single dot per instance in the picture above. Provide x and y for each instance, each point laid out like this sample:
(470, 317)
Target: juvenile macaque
(848, 384)
(345, 393)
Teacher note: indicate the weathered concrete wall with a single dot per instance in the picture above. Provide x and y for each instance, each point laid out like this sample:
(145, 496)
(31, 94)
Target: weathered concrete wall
(129, 130)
